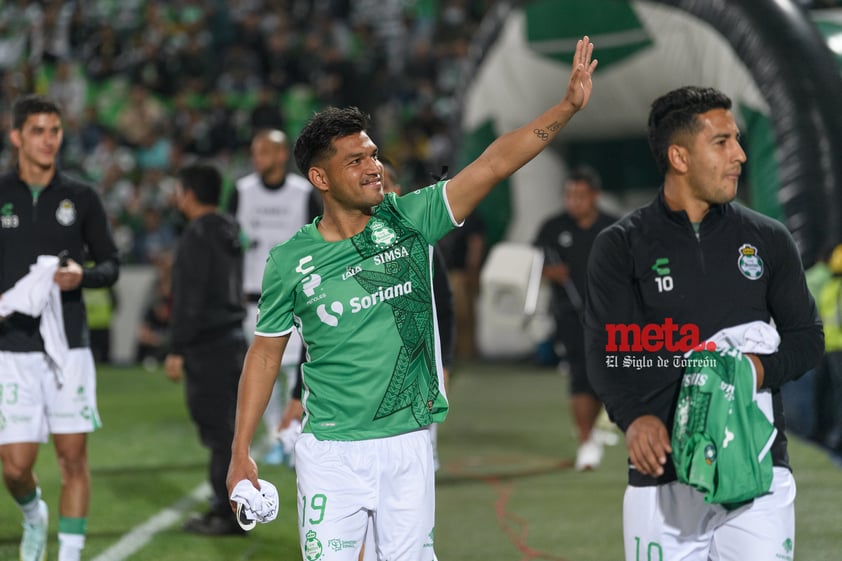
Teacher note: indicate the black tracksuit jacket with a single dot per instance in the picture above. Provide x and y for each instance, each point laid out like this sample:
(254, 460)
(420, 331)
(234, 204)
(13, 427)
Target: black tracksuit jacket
(207, 282)
(67, 215)
(715, 283)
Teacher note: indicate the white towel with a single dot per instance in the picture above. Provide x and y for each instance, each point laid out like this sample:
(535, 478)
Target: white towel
(755, 337)
(288, 438)
(259, 505)
(35, 294)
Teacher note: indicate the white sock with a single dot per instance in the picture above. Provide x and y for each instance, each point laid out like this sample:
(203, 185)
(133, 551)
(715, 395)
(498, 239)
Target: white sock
(70, 546)
(31, 512)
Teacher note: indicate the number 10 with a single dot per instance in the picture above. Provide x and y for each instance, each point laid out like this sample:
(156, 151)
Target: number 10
(664, 283)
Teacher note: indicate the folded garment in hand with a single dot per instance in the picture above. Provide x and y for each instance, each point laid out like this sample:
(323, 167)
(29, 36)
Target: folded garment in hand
(260, 505)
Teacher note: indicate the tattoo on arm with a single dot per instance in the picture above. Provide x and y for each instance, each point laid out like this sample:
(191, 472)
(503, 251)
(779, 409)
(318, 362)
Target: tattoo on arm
(543, 134)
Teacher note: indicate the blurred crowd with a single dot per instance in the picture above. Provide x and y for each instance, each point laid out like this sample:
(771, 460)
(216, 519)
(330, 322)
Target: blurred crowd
(146, 85)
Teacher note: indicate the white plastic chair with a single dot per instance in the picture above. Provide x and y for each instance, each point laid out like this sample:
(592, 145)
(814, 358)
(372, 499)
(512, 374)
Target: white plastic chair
(510, 293)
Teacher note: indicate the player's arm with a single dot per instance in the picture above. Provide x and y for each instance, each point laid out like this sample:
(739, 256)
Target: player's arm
(100, 243)
(263, 360)
(511, 151)
(295, 408)
(611, 300)
(796, 319)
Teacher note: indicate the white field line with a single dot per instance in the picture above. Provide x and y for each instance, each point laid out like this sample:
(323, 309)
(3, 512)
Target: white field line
(140, 535)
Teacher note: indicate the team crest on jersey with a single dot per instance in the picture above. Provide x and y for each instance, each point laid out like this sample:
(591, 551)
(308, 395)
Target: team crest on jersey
(749, 262)
(565, 239)
(66, 213)
(312, 546)
(381, 234)
(710, 454)
(8, 218)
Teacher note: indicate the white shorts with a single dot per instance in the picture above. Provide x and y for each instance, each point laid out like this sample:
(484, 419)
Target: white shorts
(341, 484)
(33, 406)
(673, 521)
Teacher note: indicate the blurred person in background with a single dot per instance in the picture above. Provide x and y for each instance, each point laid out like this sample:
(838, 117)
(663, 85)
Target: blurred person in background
(45, 212)
(464, 251)
(153, 334)
(830, 309)
(100, 306)
(271, 204)
(566, 241)
(207, 341)
(806, 400)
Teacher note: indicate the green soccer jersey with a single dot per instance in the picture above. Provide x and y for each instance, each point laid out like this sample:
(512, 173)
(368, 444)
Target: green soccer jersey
(721, 438)
(364, 308)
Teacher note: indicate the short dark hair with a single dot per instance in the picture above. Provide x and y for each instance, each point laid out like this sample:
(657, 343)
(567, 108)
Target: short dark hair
(316, 139)
(586, 174)
(675, 112)
(273, 135)
(32, 104)
(204, 180)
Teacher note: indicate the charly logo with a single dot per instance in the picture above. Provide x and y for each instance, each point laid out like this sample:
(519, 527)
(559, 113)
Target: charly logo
(749, 262)
(381, 234)
(301, 265)
(664, 280)
(8, 218)
(66, 213)
(312, 546)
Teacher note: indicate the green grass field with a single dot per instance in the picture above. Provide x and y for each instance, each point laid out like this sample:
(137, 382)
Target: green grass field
(505, 490)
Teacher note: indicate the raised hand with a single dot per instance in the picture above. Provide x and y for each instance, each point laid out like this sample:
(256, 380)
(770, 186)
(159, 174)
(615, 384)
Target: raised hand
(580, 85)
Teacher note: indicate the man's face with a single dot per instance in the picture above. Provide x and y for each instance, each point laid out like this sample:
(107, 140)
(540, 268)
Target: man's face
(353, 173)
(268, 156)
(715, 158)
(579, 199)
(39, 139)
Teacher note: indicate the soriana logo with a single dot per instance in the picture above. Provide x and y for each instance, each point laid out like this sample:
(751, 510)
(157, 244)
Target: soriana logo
(653, 338)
